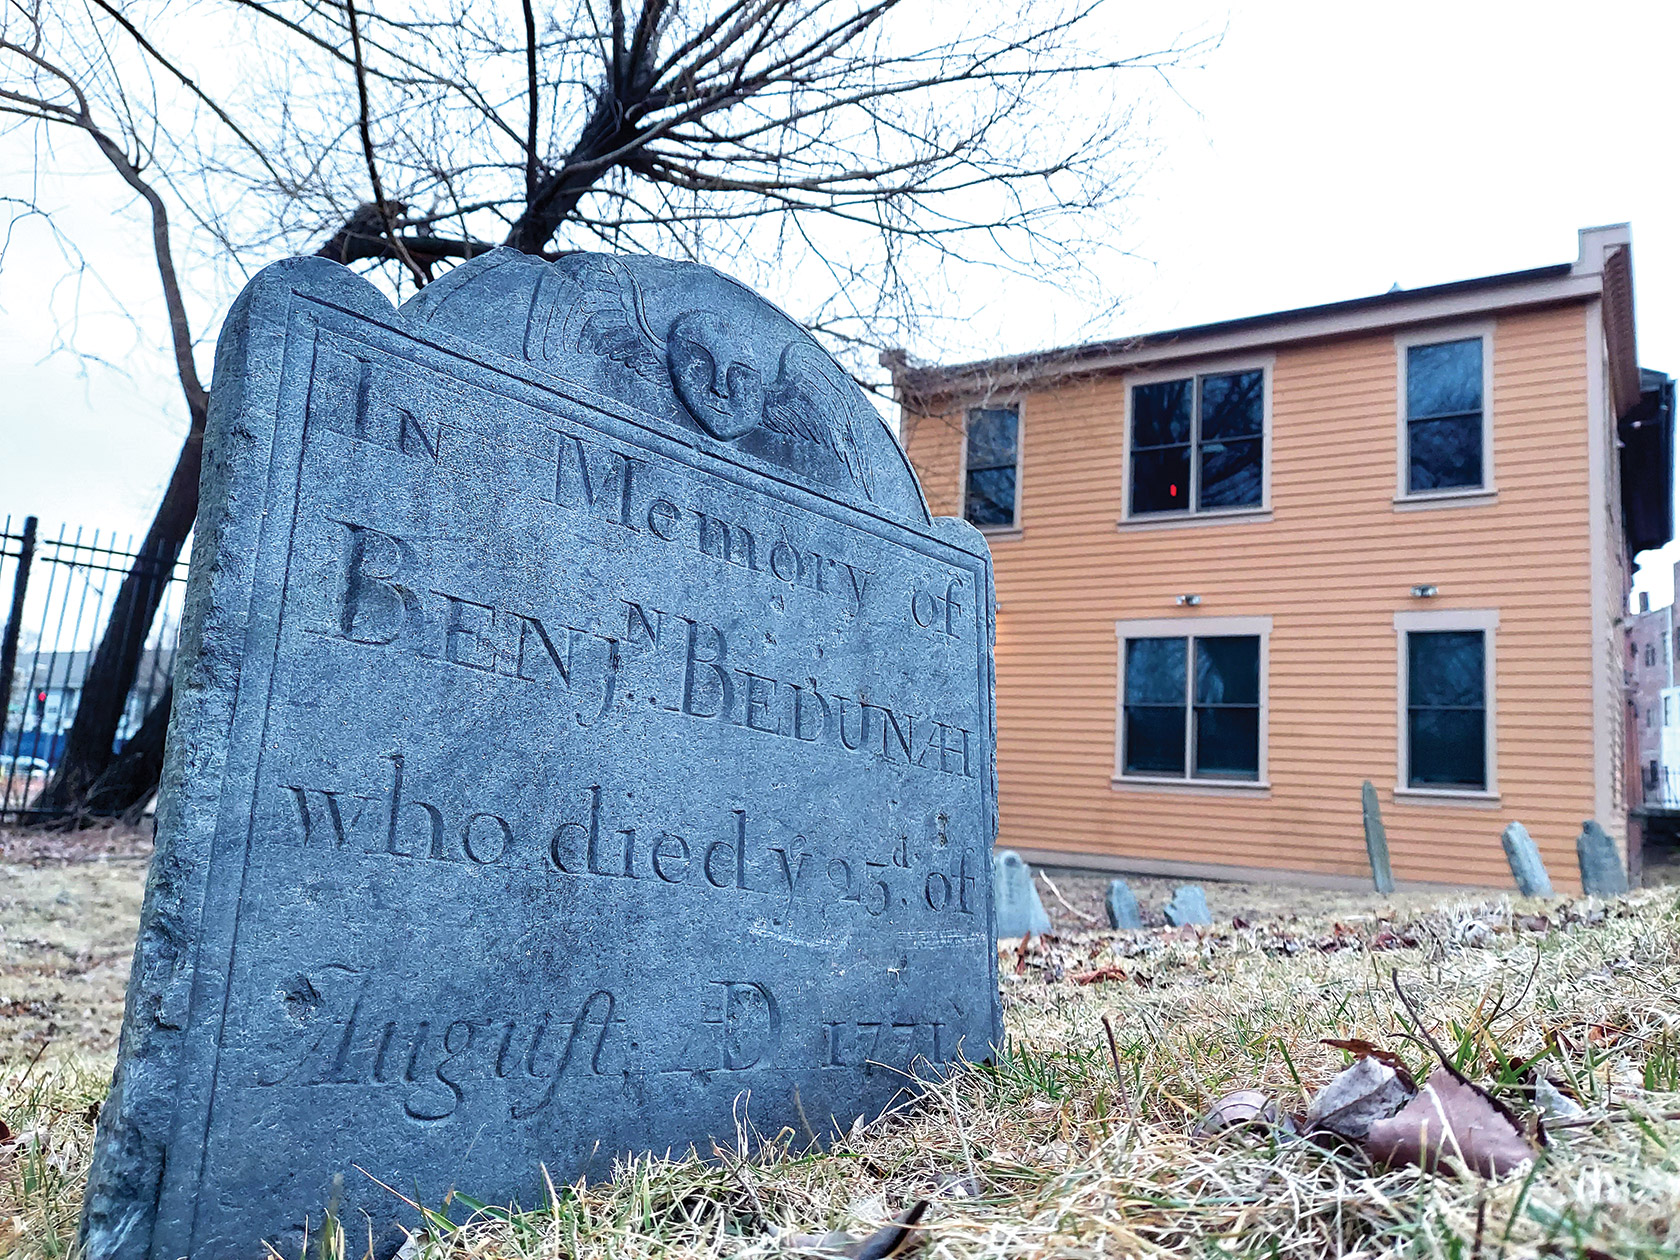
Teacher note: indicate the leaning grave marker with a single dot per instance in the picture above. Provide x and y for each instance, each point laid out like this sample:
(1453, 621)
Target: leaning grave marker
(582, 731)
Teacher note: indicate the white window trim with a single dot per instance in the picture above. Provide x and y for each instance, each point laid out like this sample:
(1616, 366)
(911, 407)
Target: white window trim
(1266, 364)
(1405, 498)
(1487, 621)
(1013, 529)
(1190, 627)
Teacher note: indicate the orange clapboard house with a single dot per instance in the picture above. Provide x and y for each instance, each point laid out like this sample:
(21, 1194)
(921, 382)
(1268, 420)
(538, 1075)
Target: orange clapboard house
(1243, 567)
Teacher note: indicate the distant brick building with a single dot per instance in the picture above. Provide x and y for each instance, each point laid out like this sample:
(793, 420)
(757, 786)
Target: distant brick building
(1653, 651)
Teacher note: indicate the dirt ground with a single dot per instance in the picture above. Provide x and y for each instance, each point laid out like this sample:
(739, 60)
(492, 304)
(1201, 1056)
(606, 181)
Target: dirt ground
(69, 906)
(70, 901)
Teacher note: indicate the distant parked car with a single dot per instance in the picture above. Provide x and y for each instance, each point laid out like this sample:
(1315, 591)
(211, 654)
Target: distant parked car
(22, 766)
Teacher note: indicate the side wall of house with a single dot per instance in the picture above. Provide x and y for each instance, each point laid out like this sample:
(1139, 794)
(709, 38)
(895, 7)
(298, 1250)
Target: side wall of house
(1331, 567)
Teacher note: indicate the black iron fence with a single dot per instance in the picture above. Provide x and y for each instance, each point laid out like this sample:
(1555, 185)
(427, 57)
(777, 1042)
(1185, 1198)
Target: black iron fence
(62, 587)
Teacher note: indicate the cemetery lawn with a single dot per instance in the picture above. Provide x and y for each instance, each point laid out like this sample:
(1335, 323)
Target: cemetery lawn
(1064, 1147)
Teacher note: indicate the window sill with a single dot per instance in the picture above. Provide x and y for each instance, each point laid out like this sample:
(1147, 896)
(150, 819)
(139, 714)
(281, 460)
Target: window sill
(1447, 796)
(1005, 532)
(1189, 520)
(1478, 497)
(1192, 787)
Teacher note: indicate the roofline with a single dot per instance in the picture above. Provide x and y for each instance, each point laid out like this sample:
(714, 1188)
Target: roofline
(1457, 299)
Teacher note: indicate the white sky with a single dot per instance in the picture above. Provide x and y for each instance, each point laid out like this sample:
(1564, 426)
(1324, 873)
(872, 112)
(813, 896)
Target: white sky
(1324, 151)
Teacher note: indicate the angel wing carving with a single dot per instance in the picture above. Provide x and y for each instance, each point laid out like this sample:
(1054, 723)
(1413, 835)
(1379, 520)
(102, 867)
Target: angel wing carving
(814, 401)
(594, 306)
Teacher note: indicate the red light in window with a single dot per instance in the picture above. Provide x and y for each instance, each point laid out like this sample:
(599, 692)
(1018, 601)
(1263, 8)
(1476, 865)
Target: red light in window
(1172, 491)
(41, 696)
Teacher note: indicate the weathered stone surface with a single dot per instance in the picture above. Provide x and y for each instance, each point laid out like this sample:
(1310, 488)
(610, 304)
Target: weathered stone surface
(582, 735)
(1602, 873)
(1019, 908)
(1526, 867)
(1188, 905)
(1122, 905)
(1376, 840)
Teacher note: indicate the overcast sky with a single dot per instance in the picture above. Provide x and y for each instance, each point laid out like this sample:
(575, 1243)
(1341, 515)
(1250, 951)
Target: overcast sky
(1323, 151)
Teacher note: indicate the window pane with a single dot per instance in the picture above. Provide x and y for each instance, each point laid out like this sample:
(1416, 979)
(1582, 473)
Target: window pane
(1155, 671)
(1445, 453)
(1446, 699)
(1154, 739)
(1231, 405)
(1228, 670)
(1444, 379)
(1448, 748)
(1161, 480)
(1161, 413)
(1230, 474)
(1446, 669)
(991, 497)
(1228, 742)
(991, 437)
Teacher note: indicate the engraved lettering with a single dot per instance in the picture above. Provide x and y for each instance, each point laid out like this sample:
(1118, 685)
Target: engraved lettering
(377, 605)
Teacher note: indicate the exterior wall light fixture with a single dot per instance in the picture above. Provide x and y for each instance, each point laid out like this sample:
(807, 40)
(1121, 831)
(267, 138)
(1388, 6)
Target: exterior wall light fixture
(1424, 591)
(1188, 601)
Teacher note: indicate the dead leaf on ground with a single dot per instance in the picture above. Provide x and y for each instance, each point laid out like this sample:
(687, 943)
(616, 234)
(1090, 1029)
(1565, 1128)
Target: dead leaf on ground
(893, 1239)
(1100, 974)
(1249, 1109)
(1359, 1048)
(1021, 952)
(1372, 1089)
(1450, 1117)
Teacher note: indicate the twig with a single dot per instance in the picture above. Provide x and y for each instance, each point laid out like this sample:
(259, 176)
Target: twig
(531, 121)
(1057, 892)
(1417, 1019)
(1119, 1078)
(385, 214)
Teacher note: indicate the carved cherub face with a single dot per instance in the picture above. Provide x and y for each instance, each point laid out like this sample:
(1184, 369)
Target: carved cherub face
(715, 375)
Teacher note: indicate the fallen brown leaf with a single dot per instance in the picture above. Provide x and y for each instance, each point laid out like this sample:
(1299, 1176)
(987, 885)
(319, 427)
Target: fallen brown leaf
(1359, 1048)
(891, 1239)
(1099, 974)
(1450, 1117)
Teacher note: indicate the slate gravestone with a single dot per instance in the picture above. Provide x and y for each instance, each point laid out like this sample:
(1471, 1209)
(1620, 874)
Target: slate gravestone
(1602, 874)
(1122, 906)
(583, 736)
(1376, 840)
(1019, 907)
(1188, 905)
(1526, 867)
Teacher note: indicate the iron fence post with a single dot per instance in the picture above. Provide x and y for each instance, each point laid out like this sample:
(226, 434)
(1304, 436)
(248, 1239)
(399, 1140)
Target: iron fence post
(14, 623)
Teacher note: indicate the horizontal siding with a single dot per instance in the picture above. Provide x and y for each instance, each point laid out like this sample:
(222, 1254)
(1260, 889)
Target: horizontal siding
(1332, 567)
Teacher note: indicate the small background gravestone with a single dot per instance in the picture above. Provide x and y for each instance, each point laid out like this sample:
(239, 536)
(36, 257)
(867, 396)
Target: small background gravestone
(1526, 867)
(1015, 896)
(1602, 874)
(1122, 905)
(1376, 840)
(1188, 905)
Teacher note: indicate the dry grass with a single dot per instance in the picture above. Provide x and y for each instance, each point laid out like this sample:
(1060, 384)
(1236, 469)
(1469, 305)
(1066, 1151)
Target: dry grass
(1049, 1153)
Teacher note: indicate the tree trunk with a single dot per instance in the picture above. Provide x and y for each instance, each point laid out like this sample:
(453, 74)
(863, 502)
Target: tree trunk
(130, 779)
(88, 750)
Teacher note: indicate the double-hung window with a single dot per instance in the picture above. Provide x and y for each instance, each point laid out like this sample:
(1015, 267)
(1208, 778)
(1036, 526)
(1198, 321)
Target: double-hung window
(1198, 444)
(991, 467)
(1446, 702)
(1444, 431)
(1192, 700)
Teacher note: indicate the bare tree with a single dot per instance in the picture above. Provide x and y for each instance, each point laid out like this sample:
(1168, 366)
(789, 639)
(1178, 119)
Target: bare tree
(855, 158)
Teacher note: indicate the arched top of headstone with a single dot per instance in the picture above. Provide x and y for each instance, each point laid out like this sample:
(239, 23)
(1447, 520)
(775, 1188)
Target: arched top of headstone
(686, 344)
